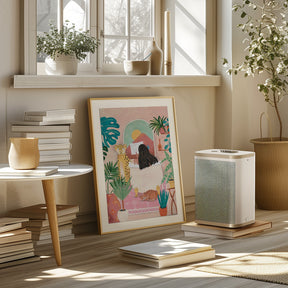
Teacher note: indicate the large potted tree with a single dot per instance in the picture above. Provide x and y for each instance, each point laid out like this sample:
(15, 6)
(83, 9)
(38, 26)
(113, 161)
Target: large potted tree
(266, 30)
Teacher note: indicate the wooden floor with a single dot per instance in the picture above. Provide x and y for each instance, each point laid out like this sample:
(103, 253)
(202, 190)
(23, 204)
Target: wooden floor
(92, 261)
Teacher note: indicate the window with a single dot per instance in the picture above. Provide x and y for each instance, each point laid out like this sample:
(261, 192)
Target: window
(126, 28)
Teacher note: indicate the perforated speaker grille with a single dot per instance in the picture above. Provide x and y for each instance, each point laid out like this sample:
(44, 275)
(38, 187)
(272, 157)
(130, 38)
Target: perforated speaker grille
(215, 191)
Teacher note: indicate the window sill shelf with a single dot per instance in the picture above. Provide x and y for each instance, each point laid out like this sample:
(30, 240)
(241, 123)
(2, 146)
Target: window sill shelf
(113, 81)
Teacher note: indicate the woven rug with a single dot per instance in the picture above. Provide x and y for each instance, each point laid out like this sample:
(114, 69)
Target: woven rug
(270, 266)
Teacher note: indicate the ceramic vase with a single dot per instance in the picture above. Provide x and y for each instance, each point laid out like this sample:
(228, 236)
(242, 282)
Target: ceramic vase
(62, 65)
(156, 59)
(23, 153)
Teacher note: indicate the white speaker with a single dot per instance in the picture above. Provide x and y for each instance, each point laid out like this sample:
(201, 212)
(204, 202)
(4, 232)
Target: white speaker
(225, 187)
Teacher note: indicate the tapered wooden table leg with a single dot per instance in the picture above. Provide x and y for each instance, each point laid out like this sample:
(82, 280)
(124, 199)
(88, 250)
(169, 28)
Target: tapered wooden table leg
(49, 193)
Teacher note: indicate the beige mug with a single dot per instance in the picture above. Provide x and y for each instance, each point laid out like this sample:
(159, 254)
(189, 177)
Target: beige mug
(23, 153)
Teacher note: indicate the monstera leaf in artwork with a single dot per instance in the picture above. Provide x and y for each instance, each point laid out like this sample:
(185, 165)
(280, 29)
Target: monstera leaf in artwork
(109, 132)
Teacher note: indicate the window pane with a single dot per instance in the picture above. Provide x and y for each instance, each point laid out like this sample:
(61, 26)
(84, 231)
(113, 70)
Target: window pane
(115, 51)
(46, 13)
(141, 17)
(115, 17)
(76, 12)
(138, 48)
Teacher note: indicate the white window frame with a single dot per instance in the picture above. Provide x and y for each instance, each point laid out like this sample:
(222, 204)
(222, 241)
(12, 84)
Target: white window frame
(30, 30)
(118, 68)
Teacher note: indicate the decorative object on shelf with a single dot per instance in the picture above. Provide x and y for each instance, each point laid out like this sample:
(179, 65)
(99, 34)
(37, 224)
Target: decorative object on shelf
(23, 153)
(167, 44)
(132, 67)
(64, 48)
(120, 131)
(265, 28)
(155, 55)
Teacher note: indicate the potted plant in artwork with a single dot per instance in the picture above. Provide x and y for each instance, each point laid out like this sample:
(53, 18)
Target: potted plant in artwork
(64, 48)
(159, 125)
(163, 199)
(121, 189)
(267, 53)
(168, 176)
(111, 172)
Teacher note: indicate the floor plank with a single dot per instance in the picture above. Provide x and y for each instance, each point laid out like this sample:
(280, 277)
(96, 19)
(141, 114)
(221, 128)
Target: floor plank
(92, 260)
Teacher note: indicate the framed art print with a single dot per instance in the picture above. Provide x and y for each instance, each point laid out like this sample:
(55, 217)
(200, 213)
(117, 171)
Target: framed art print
(137, 171)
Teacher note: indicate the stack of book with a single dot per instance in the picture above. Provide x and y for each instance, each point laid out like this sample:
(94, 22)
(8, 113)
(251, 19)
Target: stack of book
(193, 229)
(38, 223)
(16, 244)
(53, 129)
(166, 252)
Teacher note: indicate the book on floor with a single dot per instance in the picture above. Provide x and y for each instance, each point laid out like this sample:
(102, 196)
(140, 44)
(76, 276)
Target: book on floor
(16, 246)
(62, 220)
(166, 252)
(15, 236)
(20, 261)
(11, 223)
(39, 171)
(191, 228)
(39, 211)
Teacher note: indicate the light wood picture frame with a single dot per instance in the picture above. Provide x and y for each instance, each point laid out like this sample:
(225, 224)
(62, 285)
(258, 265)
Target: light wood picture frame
(137, 173)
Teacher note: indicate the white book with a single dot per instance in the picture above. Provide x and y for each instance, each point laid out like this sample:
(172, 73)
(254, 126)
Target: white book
(52, 112)
(54, 146)
(168, 262)
(58, 163)
(50, 128)
(49, 158)
(43, 123)
(39, 171)
(47, 135)
(53, 140)
(48, 118)
(166, 252)
(55, 152)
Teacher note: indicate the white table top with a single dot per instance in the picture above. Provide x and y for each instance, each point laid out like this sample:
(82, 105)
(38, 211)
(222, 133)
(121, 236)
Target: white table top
(63, 172)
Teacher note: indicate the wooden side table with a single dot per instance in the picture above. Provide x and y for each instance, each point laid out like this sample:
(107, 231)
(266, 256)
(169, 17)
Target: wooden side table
(49, 193)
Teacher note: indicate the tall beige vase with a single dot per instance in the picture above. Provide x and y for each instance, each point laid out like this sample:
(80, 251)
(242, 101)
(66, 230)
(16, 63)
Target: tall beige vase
(23, 153)
(271, 173)
(156, 58)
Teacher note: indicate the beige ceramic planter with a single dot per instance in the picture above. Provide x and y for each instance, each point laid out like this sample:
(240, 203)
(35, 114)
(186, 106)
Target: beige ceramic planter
(23, 153)
(271, 173)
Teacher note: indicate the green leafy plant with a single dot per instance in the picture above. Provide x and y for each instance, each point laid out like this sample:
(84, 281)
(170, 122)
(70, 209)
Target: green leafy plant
(163, 198)
(159, 123)
(66, 41)
(121, 188)
(109, 133)
(111, 171)
(267, 48)
(168, 172)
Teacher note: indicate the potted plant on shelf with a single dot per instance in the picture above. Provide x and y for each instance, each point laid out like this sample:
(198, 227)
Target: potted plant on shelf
(163, 199)
(64, 48)
(266, 29)
(121, 189)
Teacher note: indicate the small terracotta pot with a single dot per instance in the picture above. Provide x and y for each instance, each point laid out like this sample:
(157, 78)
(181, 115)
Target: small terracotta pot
(23, 153)
(163, 211)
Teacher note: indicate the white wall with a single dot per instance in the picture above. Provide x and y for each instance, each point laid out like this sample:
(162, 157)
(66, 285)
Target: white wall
(194, 108)
(239, 104)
